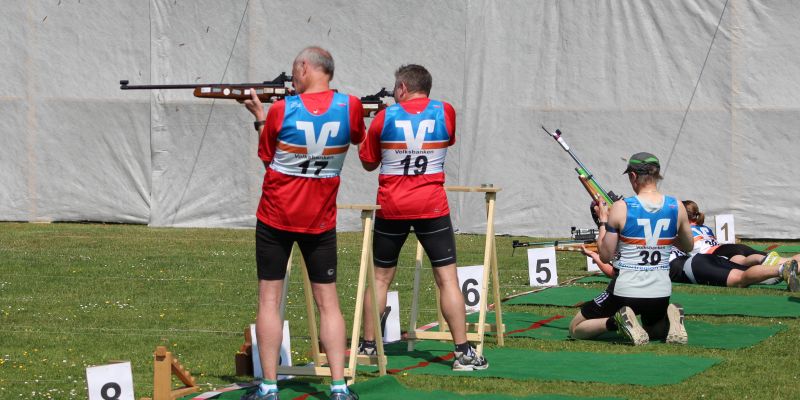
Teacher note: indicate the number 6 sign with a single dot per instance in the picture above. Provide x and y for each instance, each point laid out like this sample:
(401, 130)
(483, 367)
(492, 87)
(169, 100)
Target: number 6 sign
(542, 266)
(470, 280)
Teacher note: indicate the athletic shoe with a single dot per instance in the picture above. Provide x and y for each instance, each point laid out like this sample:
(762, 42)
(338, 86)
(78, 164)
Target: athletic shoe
(470, 361)
(772, 259)
(254, 395)
(628, 326)
(771, 281)
(790, 275)
(677, 332)
(365, 349)
(350, 395)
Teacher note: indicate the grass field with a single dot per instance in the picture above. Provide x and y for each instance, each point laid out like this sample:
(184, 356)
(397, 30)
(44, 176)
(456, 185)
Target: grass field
(74, 295)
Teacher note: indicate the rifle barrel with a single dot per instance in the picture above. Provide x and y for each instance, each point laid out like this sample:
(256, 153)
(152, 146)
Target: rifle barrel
(125, 86)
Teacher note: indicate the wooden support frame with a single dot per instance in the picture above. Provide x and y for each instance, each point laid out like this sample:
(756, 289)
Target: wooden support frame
(475, 332)
(164, 366)
(366, 274)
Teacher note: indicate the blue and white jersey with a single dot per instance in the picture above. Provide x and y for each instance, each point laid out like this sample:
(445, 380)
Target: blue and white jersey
(313, 146)
(414, 144)
(644, 247)
(705, 242)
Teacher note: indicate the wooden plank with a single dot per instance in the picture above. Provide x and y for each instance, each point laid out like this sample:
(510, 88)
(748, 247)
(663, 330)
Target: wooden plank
(472, 326)
(480, 189)
(434, 335)
(371, 207)
(360, 359)
(310, 371)
(412, 321)
(498, 306)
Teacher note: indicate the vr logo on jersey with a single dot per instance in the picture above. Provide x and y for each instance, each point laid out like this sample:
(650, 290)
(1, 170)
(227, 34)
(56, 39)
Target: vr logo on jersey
(415, 140)
(652, 236)
(316, 143)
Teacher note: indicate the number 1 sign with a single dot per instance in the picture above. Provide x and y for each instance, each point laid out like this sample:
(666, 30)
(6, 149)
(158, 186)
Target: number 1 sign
(725, 231)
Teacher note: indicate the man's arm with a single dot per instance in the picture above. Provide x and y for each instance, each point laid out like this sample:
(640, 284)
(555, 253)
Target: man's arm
(369, 151)
(606, 268)
(357, 129)
(685, 238)
(615, 221)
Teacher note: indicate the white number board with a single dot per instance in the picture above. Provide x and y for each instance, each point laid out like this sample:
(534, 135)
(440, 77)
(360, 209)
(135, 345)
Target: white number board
(591, 266)
(542, 266)
(470, 280)
(391, 332)
(725, 231)
(285, 352)
(110, 382)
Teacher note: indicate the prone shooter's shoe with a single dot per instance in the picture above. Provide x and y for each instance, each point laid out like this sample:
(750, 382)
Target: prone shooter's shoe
(772, 259)
(790, 275)
(628, 326)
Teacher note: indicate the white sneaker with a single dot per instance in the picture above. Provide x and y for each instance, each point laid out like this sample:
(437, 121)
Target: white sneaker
(628, 326)
(677, 331)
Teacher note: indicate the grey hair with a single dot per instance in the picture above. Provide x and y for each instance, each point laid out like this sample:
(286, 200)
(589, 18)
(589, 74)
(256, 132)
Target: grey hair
(318, 57)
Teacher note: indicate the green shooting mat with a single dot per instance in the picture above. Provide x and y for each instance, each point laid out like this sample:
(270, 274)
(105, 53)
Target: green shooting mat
(386, 388)
(436, 358)
(605, 279)
(700, 304)
(701, 334)
(783, 249)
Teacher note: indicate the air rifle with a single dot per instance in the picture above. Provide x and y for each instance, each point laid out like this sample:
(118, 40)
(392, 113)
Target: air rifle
(560, 245)
(596, 192)
(374, 103)
(267, 91)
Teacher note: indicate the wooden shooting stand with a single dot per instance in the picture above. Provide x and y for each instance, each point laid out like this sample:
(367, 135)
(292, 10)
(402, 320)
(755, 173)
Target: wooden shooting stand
(475, 332)
(366, 273)
(164, 366)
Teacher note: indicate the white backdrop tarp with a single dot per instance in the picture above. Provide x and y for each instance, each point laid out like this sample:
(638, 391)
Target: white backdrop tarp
(615, 76)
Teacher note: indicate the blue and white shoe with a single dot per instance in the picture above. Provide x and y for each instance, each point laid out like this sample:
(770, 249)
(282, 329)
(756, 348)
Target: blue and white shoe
(350, 395)
(257, 395)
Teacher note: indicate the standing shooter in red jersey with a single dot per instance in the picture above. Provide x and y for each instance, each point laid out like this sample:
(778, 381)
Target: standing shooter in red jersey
(303, 144)
(409, 142)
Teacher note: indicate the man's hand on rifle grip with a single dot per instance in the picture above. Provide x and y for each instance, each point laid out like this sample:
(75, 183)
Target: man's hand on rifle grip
(255, 106)
(602, 211)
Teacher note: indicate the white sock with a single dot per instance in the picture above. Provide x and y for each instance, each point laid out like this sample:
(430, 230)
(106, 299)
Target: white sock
(268, 386)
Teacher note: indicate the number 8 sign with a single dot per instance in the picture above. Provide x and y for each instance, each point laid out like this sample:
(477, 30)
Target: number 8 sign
(110, 382)
(542, 266)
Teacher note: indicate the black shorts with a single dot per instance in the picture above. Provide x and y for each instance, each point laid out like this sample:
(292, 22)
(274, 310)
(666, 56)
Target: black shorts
(273, 247)
(435, 234)
(703, 269)
(731, 249)
(607, 304)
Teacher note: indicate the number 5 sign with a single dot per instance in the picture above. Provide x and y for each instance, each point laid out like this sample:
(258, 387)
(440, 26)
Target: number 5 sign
(542, 266)
(470, 280)
(110, 382)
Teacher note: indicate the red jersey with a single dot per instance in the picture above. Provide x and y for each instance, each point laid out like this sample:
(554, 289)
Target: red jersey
(296, 200)
(408, 186)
